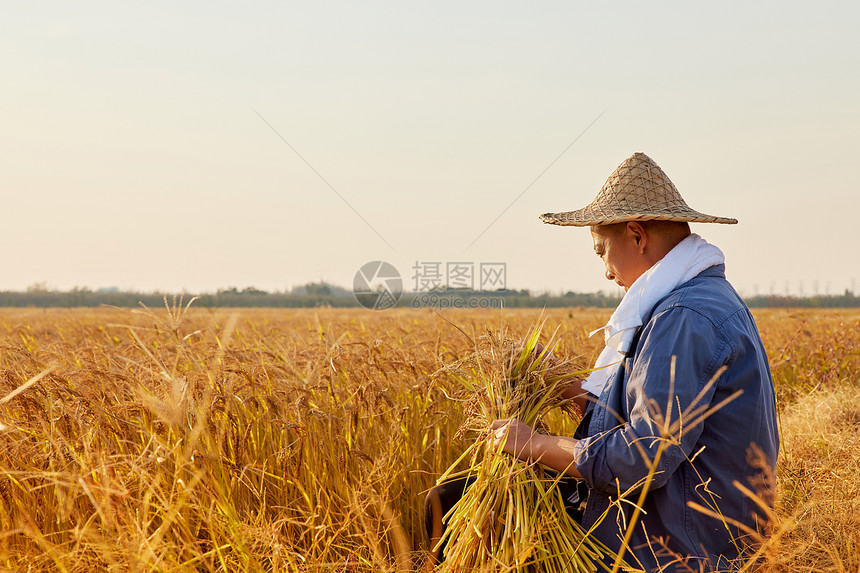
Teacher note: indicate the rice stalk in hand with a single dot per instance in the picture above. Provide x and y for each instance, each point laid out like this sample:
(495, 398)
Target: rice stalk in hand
(512, 517)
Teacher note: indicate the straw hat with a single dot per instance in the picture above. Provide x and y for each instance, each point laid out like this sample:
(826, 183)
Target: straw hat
(638, 190)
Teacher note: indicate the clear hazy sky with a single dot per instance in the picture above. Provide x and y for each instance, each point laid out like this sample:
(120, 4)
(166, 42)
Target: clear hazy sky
(132, 153)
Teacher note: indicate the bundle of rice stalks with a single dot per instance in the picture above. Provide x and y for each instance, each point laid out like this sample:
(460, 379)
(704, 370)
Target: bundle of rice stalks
(512, 517)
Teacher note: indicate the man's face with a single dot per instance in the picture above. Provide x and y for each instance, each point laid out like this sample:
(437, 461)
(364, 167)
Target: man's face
(618, 247)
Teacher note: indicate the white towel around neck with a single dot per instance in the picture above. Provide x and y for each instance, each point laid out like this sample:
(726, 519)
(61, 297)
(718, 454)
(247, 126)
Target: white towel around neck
(689, 258)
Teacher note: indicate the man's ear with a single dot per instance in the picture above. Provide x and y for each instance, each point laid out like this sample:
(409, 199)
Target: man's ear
(639, 234)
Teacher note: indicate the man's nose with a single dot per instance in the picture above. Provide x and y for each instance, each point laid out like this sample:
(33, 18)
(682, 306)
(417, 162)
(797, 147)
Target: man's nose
(610, 276)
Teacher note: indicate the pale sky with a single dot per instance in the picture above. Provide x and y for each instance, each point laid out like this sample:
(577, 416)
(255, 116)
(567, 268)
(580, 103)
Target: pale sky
(132, 153)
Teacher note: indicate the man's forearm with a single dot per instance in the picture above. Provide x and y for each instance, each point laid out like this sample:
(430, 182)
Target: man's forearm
(555, 452)
(521, 441)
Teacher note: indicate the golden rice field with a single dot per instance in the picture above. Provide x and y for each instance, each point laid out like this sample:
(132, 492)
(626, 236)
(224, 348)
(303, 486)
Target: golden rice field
(304, 440)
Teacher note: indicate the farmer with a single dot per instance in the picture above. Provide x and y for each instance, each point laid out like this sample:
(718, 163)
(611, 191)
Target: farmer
(682, 403)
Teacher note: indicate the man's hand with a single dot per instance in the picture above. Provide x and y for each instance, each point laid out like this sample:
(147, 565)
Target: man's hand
(522, 442)
(574, 389)
(519, 439)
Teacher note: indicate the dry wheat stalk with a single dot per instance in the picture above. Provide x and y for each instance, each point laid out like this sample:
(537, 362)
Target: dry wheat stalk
(512, 517)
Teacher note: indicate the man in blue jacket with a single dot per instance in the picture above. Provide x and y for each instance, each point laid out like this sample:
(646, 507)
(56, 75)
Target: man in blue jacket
(681, 410)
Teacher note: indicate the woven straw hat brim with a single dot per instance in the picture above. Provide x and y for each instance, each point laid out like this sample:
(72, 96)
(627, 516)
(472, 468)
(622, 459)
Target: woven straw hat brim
(589, 217)
(638, 190)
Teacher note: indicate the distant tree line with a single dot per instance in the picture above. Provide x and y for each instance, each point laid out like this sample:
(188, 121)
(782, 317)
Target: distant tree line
(845, 300)
(321, 294)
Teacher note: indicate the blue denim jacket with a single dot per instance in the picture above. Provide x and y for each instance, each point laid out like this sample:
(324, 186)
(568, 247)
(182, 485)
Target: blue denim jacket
(704, 325)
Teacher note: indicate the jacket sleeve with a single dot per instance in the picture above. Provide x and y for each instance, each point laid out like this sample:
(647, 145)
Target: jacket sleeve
(657, 408)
